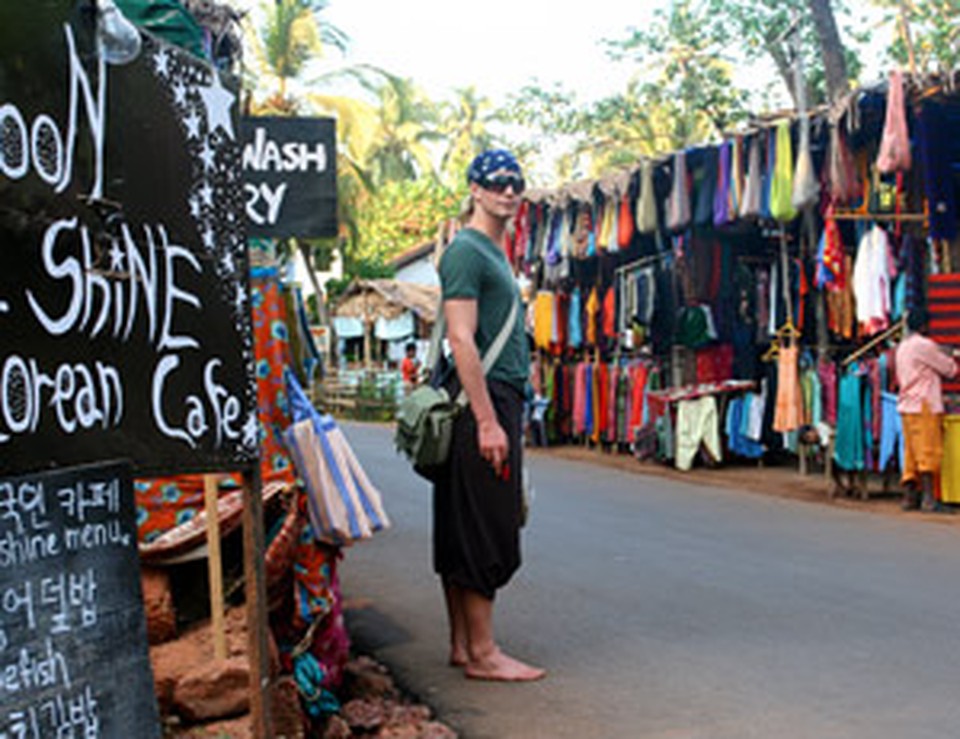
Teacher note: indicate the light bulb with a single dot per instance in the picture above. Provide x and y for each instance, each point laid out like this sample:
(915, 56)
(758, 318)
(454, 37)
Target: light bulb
(117, 38)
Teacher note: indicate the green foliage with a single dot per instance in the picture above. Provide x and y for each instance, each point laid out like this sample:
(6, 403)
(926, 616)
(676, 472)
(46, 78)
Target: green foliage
(933, 27)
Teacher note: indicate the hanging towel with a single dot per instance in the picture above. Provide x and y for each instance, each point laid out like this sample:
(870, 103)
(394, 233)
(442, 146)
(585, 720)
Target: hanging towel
(750, 203)
(894, 154)
(678, 209)
(647, 203)
(781, 187)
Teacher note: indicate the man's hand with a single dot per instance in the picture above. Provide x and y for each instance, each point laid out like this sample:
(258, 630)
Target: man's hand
(493, 443)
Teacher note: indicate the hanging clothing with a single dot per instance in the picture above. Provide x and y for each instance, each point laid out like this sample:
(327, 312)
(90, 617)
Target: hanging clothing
(871, 281)
(789, 408)
(891, 432)
(753, 188)
(848, 451)
(575, 320)
(697, 423)
(781, 187)
(678, 206)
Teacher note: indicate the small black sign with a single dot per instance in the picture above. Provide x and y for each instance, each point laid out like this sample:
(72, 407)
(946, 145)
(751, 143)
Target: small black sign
(73, 642)
(290, 176)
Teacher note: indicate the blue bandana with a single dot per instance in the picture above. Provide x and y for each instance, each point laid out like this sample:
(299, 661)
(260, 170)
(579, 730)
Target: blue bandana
(488, 162)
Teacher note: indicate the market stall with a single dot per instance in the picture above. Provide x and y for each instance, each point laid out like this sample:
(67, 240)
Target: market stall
(778, 262)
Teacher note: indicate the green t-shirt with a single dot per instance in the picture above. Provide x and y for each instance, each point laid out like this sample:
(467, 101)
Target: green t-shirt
(473, 267)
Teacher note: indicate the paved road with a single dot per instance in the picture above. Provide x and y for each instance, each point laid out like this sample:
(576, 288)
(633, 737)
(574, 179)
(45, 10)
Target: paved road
(666, 610)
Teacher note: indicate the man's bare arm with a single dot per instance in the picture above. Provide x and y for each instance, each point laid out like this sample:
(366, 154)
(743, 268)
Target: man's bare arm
(461, 316)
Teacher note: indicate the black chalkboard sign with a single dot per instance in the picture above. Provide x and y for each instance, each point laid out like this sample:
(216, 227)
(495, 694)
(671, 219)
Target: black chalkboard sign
(73, 642)
(125, 320)
(290, 176)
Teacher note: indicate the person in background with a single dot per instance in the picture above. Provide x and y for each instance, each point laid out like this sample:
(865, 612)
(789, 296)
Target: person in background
(921, 364)
(478, 502)
(410, 367)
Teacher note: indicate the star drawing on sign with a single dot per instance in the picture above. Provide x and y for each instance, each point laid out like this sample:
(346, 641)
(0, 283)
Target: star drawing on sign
(251, 430)
(207, 155)
(180, 93)
(227, 263)
(192, 122)
(218, 101)
(194, 207)
(206, 192)
(209, 239)
(161, 62)
(116, 257)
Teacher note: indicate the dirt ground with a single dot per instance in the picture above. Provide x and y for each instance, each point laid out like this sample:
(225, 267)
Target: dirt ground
(783, 480)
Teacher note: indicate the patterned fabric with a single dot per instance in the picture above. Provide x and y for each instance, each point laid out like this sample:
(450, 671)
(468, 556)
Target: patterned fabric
(488, 162)
(163, 503)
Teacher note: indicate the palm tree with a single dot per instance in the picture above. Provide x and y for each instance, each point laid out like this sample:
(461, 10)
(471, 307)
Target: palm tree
(464, 128)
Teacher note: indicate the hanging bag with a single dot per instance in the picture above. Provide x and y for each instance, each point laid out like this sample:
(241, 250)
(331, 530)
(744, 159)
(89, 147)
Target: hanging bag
(425, 417)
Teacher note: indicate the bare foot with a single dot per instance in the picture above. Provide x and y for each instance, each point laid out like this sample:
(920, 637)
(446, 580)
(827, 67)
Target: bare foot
(499, 666)
(458, 657)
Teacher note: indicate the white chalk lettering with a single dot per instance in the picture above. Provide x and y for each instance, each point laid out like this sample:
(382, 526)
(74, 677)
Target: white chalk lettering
(44, 134)
(216, 412)
(79, 396)
(272, 200)
(266, 155)
(97, 303)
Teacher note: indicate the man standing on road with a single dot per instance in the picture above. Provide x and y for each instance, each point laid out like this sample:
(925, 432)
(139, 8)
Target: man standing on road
(478, 503)
(920, 365)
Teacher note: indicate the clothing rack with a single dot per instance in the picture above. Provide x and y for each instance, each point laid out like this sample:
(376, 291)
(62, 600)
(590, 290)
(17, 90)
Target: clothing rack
(878, 339)
(641, 262)
(903, 217)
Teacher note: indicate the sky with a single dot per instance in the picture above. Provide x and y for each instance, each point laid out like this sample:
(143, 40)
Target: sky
(495, 45)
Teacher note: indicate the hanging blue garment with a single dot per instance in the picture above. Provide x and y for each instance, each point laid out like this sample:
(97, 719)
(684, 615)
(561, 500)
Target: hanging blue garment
(574, 320)
(848, 452)
(767, 177)
(891, 431)
(737, 442)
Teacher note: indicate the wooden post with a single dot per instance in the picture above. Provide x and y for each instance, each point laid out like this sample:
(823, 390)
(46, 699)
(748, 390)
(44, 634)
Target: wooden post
(255, 589)
(215, 567)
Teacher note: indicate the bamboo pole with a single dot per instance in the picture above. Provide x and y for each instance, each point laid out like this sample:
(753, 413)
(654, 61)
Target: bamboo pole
(215, 567)
(255, 590)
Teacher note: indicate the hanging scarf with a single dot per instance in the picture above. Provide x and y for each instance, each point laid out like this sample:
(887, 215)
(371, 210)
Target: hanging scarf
(678, 208)
(721, 197)
(750, 204)
(646, 203)
(625, 224)
(806, 188)
(894, 154)
(735, 197)
(706, 179)
(781, 188)
(613, 206)
(842, 172)
(769, 139)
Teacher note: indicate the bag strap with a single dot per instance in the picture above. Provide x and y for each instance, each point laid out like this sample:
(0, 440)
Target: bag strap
(490, 357)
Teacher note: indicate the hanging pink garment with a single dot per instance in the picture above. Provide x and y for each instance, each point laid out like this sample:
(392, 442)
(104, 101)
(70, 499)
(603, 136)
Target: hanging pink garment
(894, 154)
(580, 399)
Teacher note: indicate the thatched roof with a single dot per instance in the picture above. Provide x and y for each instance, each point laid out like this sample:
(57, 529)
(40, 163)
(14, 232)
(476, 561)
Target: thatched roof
(370, 299)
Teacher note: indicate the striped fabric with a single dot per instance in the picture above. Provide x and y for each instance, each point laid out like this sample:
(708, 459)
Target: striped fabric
(943, 300)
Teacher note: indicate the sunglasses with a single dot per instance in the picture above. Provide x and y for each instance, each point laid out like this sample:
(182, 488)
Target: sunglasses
(501, 182)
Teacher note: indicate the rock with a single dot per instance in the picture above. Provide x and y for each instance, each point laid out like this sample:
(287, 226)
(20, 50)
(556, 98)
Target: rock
(436, 730)
(337, 728)
(215, 690)
(158, 605)
(400, 713)
(365, 678)
(289, 721)
(363, 714)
